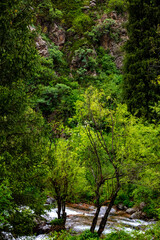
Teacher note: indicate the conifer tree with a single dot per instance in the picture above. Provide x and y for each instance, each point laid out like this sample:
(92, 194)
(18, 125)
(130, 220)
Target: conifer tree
(141, 65)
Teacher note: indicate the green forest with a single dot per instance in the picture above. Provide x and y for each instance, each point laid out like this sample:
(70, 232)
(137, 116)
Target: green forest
(79, 115)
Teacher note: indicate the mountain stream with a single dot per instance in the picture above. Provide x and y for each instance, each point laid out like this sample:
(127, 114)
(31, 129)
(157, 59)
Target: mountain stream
(80, 219)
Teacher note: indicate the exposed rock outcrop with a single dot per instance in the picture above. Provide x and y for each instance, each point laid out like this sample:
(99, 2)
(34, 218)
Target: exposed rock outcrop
(57, 35)
(55, 32)
(114, 42)
(92, 3)
(42, 47)
(142, 205)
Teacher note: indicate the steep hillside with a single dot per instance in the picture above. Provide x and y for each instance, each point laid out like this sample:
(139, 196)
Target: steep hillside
(81, 45)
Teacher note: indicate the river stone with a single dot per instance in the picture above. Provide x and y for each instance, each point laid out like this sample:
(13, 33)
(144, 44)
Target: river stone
(42, 228)
(144, 215)
(46, 228)
(112, 212)
(136, 215)
(120, 206)
(50, 200)
(6, 236)
(103, 210)
(131, 210)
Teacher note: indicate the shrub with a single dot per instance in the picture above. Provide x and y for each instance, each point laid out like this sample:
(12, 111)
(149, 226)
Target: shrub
(81, 23)
(87, 235)
(150, 197)
(70, 9)
(124, 197)
(63, 235)
(47, 10)
(57, 221)
(57, 101)
(22, 221)
(108, 65)
(56, 55)
(85, 60)
(152, 233)
(119, 235)
(118, 5)
(5, 203)
(100, 29)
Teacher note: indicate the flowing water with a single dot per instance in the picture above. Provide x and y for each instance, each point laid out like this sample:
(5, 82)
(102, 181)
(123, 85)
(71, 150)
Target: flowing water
(79, 220)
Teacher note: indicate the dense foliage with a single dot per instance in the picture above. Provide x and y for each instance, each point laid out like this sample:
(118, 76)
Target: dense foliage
(22, 142)
(141, 66)
(65, 129)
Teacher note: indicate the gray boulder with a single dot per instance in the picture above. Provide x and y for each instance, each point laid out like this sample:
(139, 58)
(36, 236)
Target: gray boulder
(120, 206)
(131, 210)
(50, 200)
(136, 215)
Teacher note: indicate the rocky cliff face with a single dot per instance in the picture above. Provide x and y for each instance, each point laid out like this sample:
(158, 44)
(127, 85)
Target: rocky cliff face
(114, 42)
(111, 40)
(55, 33)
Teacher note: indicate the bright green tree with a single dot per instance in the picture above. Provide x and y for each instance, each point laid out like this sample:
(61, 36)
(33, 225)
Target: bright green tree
(122, 149)
(66, 175)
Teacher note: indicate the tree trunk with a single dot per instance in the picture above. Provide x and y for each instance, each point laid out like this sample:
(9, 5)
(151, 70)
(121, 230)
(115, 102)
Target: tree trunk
(104, 219)
(64, 212)
(59, 208)
(95, 219)
(94, 222)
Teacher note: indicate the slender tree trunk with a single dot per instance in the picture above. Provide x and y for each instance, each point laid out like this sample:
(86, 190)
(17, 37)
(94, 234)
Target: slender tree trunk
(95, 219)
(94, 222)
(64, 215)
(59, 208)
(104, 219)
